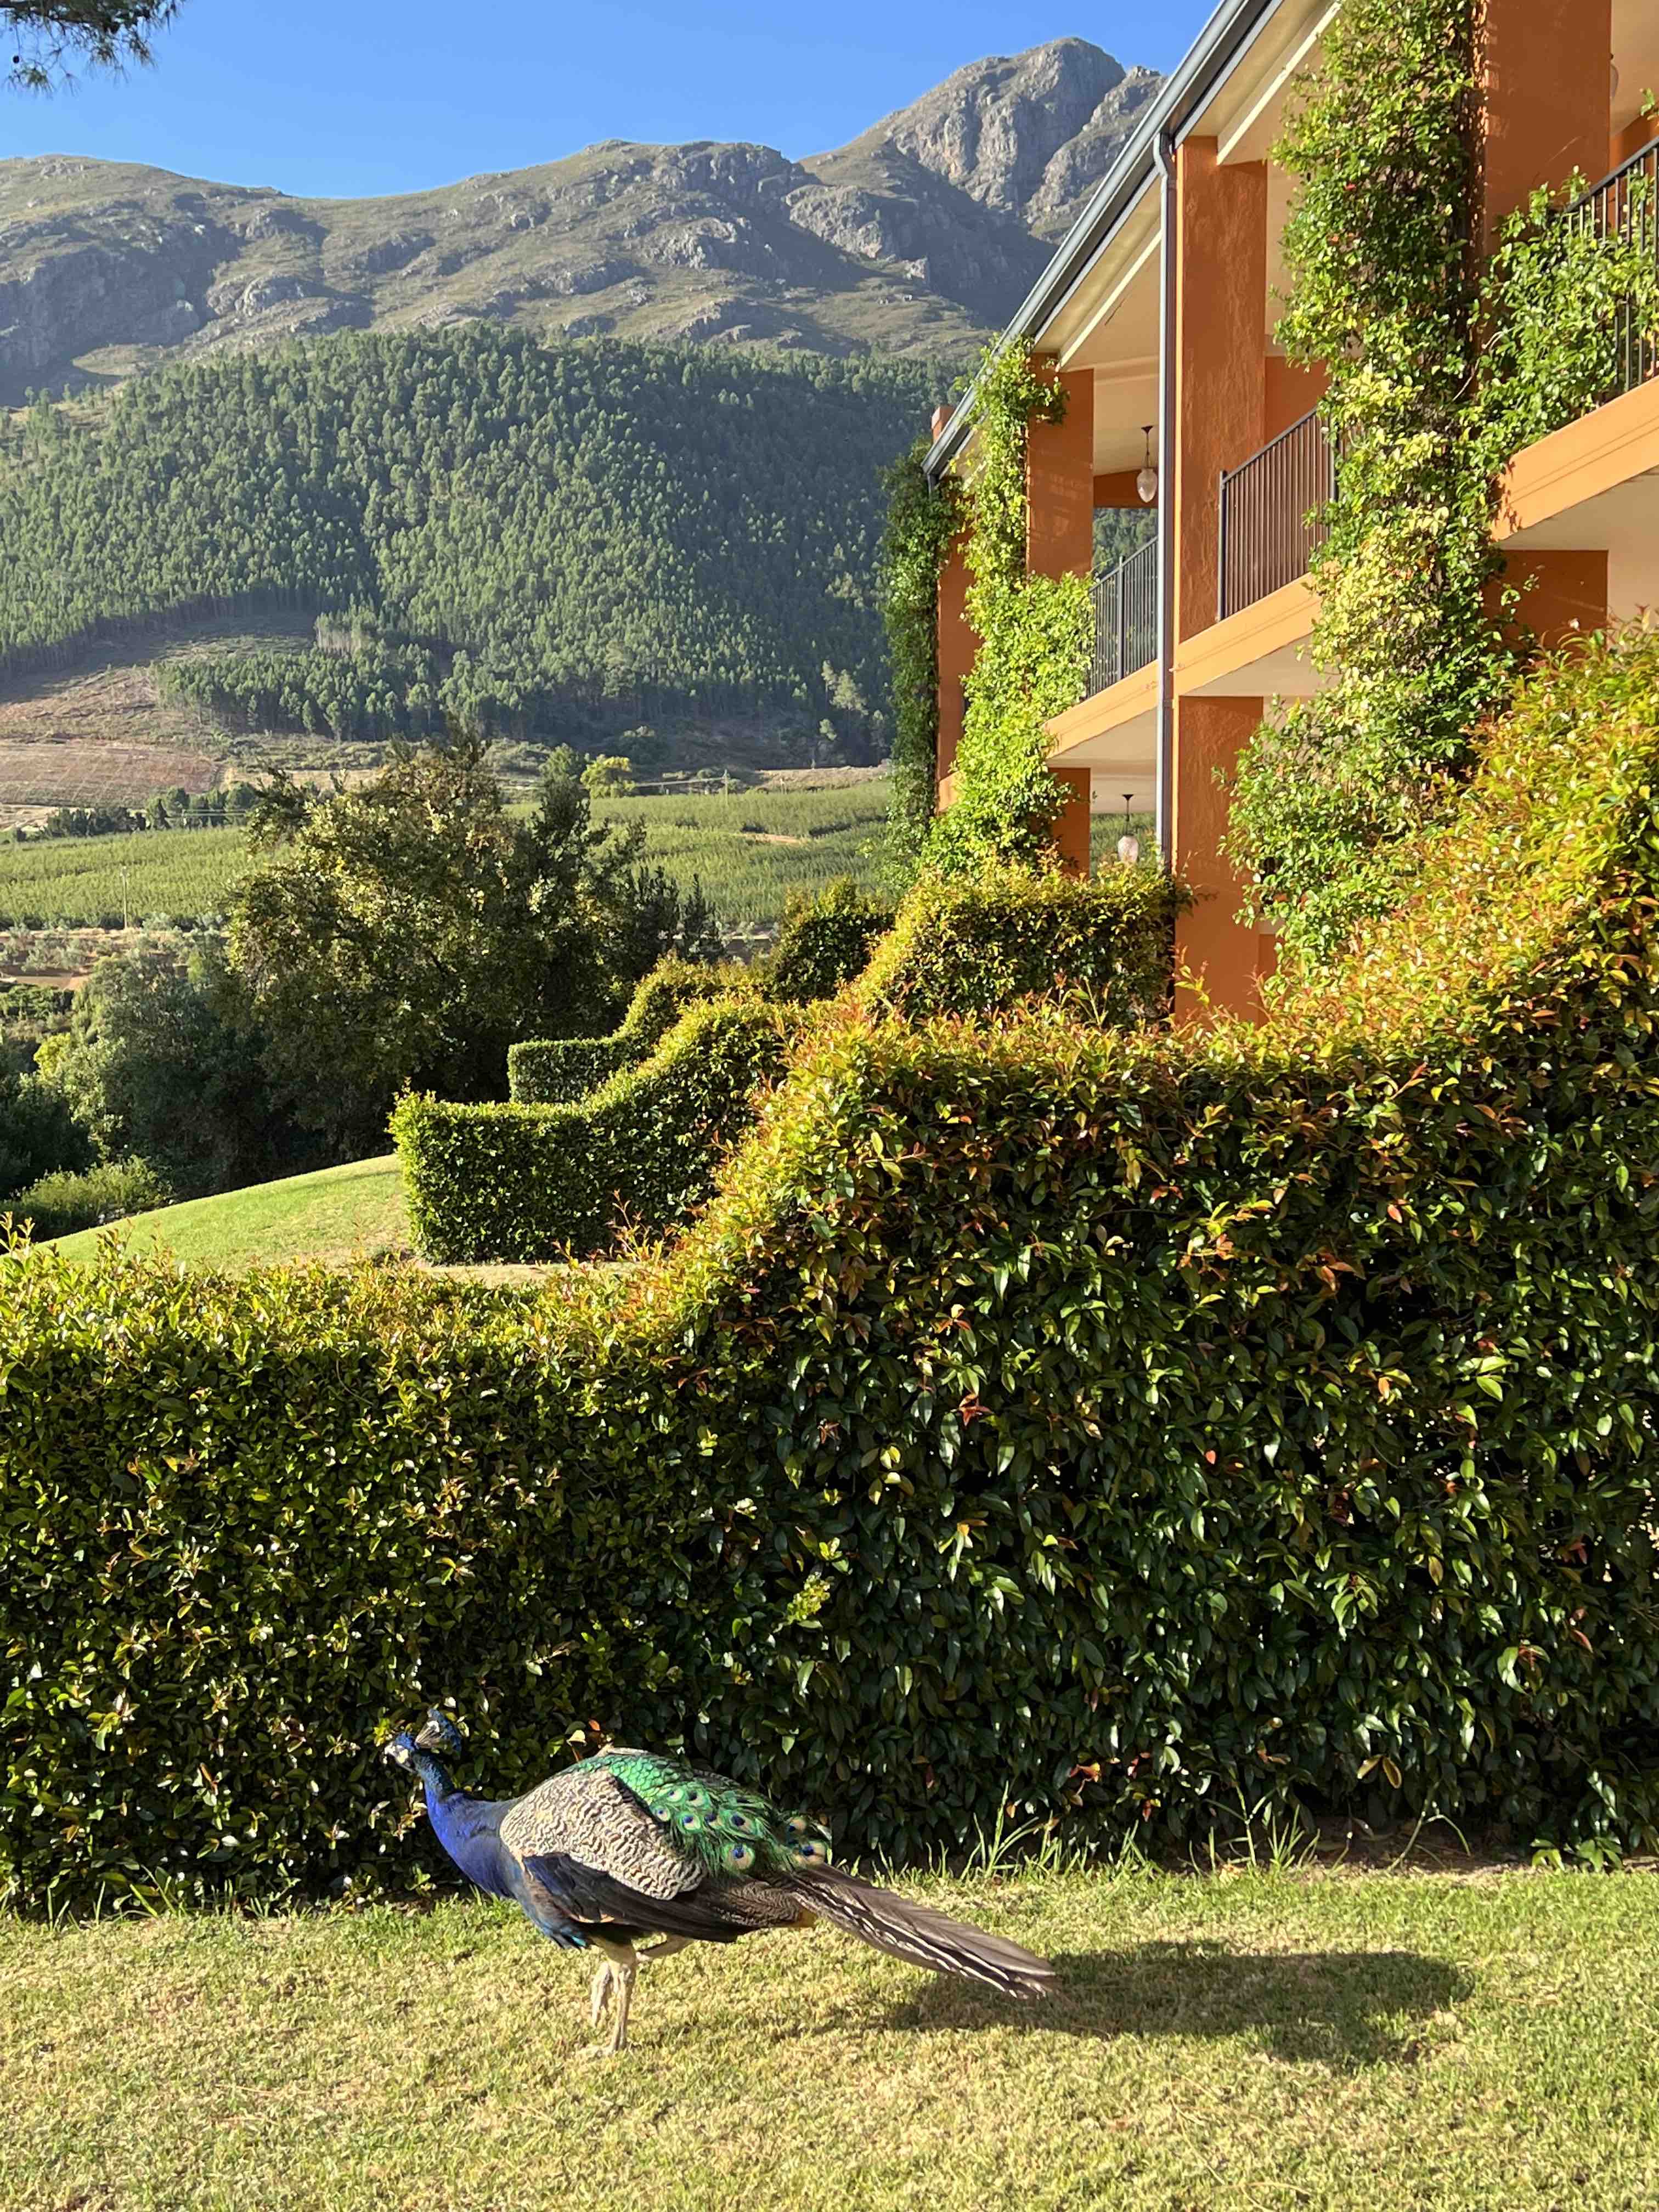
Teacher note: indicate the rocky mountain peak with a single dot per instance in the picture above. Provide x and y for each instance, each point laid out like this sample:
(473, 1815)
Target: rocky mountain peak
(1019, 133)
(920, 236)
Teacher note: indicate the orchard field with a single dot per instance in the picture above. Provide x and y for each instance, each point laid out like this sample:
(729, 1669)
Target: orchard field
(749, 848)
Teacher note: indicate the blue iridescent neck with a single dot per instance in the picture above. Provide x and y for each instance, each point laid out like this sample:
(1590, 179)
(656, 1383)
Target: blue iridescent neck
(465, 1826)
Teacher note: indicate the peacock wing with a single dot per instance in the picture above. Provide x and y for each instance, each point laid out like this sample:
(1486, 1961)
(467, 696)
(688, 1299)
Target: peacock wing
(589, 1815)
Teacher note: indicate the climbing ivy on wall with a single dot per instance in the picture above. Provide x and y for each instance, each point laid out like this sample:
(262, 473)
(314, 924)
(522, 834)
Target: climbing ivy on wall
(1439, 374)
(1034, 640)
(922, 518)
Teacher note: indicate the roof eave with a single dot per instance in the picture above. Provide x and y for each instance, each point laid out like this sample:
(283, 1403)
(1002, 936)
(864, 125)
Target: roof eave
(1218, 45)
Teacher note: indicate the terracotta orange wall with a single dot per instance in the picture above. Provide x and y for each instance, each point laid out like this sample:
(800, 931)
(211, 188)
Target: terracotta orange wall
(1221, 401)
(1291, 393)
(1631, 139)
(1059, 483)
(957, 647)
(1221, 293)
(1072, 829)
(1547, 88)
(1563, 594)
(1226, 961)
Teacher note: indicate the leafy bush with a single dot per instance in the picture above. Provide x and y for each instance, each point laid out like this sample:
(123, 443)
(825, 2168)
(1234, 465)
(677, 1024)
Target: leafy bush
(558, 1071)
(38, 1132)
(59, 1203)
(1137, 1428)
(824, 942)
(1103, 946)
(537, 1183)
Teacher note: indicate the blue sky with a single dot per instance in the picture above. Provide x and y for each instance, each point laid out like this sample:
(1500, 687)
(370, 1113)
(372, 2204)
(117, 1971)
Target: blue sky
(349, 96)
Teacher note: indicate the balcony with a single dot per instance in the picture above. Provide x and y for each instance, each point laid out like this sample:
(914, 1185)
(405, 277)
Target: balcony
(1626, 205)
(1126, 618)
(1273, 515)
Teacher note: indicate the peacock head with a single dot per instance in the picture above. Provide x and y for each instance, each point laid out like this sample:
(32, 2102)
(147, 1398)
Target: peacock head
(419, 1753)
(400, 1749)
(439, 1733)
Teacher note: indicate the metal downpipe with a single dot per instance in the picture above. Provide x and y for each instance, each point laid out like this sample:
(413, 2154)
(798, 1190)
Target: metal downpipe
(1164, 825)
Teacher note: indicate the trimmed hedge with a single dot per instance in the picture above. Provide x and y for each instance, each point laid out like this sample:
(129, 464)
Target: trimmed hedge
(558, 1071)
(825, 941)
(1101, 947)
(546, 1183)
(484, 1186)
(1141, 1429)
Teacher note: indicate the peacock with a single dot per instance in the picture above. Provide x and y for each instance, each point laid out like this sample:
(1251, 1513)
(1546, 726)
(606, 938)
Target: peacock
(626, 1843)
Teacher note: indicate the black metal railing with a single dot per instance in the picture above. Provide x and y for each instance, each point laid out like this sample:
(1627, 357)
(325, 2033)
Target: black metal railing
(1623, 206)
(1126, 617)
(1272, 513)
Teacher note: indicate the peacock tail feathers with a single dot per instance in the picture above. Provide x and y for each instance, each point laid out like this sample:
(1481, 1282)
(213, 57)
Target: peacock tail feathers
(730, 1830)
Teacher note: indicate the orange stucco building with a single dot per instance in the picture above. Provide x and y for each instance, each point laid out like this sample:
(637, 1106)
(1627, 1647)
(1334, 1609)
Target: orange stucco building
(1158, 309)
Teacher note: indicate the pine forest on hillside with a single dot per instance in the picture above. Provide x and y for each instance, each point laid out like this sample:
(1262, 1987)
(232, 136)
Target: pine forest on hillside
(536, 541)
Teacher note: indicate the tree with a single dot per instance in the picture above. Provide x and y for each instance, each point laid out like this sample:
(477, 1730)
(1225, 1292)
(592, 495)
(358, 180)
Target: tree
(48, 36)
(407, 932)
(609, 775)
(162, 1063)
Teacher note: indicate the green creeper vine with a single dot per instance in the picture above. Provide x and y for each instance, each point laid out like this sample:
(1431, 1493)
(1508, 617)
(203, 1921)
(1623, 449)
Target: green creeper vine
(1035, 637)
(1034, 632)
(922, 518)
(1439, 376)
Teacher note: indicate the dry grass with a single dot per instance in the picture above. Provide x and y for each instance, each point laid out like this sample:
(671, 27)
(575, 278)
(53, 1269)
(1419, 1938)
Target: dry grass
(1260, 2041)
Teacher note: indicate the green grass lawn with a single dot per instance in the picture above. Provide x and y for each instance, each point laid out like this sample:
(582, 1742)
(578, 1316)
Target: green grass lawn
(337, 1215)
(1238, 2044)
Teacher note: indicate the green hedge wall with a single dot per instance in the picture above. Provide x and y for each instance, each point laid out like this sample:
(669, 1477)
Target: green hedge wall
(544, 1183)
(639, 1150)
(1134, 1428)
(825, 941)
(558, 1071)
(1103, 948)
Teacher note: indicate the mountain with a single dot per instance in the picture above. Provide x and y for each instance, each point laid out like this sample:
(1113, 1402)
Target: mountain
(920, 237)
(544, 541)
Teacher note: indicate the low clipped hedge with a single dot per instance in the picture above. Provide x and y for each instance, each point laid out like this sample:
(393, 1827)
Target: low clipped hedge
(558, 1071)
(639, 1152)
(1139, 1429)
(1103, 947)
(544, 1183)
(825, 941)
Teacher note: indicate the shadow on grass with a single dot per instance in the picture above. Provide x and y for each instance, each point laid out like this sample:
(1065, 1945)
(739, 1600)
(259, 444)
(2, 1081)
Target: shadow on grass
(1343, 2009)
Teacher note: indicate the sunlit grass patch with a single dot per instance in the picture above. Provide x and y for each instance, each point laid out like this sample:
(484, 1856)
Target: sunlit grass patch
(1254, 2040)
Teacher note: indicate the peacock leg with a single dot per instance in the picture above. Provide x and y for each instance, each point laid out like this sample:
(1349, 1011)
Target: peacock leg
(665, 1946)
(613, 1984)
(600, 1996)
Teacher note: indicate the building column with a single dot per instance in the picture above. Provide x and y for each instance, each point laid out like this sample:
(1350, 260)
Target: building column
(958, 646)
(1563, 595)
(1221, 410)
(1059, 481)
(1546, 100)
(1225, 962)
(1075, 824)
